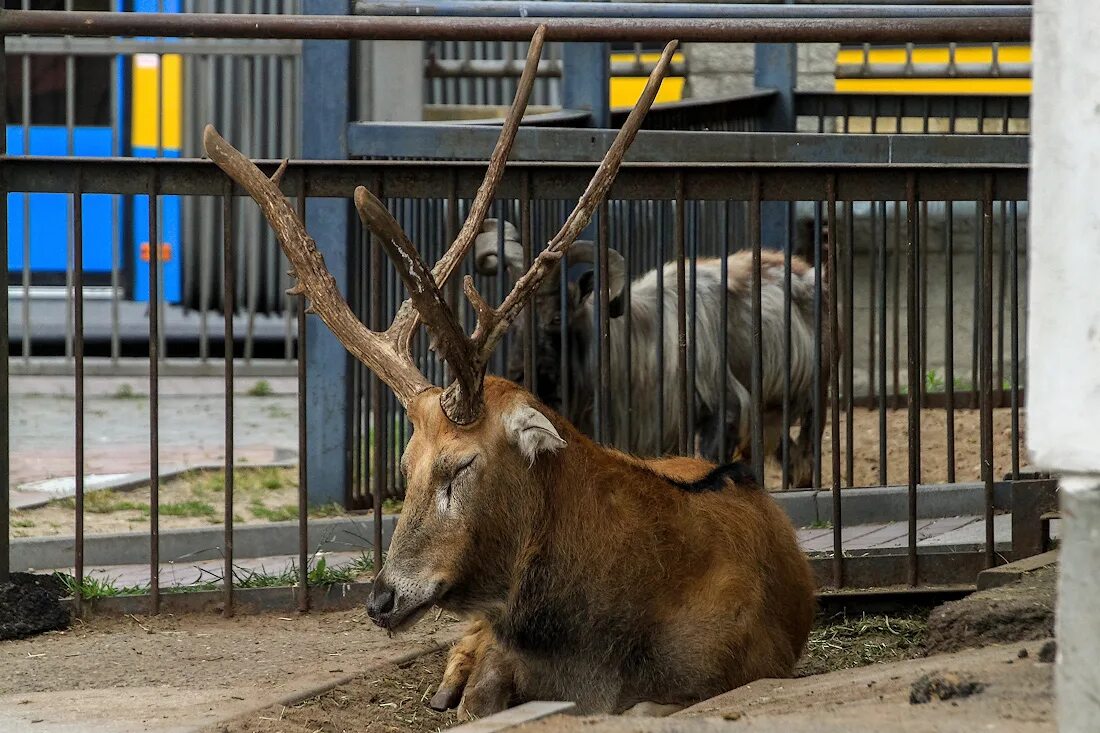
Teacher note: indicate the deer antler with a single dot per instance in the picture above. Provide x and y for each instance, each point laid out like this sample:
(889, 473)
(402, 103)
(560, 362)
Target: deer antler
(389, 354)
(493, 323)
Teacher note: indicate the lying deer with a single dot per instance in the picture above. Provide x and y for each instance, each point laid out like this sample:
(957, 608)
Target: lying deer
(590, 575)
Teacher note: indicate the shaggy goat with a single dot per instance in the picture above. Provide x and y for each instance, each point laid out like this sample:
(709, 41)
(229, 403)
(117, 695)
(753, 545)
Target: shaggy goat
(634, 419)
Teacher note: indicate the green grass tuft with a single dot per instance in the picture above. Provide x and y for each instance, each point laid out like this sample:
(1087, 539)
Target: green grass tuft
(193, 508)
(261, 388)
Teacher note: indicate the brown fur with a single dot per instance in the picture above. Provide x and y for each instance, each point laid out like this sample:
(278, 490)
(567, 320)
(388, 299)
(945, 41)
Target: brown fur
(589, 576)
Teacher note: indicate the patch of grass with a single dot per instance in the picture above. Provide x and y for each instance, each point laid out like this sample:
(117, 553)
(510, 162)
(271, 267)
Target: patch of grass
(283, 513)
(193, 508)
(326, 510)
(94, 587)
(844, 642)
(21, 523)
(392, 506)
(821, 524)
(245, 480)
(103, 502)
(126, 392)
(261, 388)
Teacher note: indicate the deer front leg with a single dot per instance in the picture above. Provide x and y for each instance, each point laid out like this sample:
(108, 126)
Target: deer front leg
(463, 658)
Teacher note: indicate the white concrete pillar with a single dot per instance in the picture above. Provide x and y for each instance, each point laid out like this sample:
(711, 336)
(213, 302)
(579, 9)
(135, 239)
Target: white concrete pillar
(1063, 385)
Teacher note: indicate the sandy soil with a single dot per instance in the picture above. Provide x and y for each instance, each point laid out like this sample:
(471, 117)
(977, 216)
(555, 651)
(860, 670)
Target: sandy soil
(934, 454)
(172, 673)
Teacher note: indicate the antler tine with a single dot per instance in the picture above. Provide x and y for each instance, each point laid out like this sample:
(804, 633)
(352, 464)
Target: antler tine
(406, 321)
(378, 351)
(493, 323)
(427, 302)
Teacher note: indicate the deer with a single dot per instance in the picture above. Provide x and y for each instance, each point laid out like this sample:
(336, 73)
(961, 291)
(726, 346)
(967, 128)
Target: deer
(586, 574)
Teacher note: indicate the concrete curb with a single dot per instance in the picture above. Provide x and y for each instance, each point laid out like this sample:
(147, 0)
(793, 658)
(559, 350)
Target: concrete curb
(515, 717)
(1013, 571)
(859, 506)
(890, 503)
(184, 545)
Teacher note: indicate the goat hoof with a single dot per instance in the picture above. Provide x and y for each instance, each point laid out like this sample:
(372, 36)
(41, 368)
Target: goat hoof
(446, 698)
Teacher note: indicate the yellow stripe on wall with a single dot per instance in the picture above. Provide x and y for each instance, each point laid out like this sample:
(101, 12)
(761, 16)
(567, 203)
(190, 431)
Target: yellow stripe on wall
(942, 55)
(999, 85)
(147, 72)
(625, 90)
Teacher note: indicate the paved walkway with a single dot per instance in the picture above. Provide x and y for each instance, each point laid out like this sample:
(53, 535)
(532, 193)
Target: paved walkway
(117, 425)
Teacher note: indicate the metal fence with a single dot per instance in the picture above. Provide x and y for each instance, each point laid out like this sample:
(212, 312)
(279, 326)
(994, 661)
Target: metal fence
(876, 203)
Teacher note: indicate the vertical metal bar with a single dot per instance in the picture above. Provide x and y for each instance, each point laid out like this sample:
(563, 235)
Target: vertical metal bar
(1014, 335)
(913, 355)
(70, 150)
(681, 316)
(757, 341)
(724, 449)
(26, 104)
(657, 226)
(949, 334)
(880, 277)
(377, 293)
(116, 233)
(5, 362)
(987, 366)
(530, 378)
(229, 275)
(849, 344)
(834, 378)
(895, 261)
(1002, 274)
(78, 374)
(872, 301)
(785, 433)
(303, 454)
(154, 397)
(604, 279)
(819, 348)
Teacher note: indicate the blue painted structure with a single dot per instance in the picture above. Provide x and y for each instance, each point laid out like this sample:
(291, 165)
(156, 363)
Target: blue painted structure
(49, 220)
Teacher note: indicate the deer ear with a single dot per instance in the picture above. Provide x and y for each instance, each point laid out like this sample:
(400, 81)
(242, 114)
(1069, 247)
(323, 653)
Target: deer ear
(531, 432)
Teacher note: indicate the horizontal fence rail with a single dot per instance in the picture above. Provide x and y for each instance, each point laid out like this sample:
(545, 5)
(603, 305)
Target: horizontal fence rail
(718, 30)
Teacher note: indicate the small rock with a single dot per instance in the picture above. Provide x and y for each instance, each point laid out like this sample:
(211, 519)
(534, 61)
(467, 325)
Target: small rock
(1048, 652)
(942, 686)
(735, 715)
(1022, 654)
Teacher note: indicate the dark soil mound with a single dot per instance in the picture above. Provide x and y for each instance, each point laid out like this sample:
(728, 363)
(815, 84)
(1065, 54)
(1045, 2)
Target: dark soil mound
(31, 604)
(1021, 611)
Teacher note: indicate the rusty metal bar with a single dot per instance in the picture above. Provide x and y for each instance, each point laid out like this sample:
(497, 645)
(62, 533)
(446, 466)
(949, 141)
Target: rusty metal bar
(949, 335)
(154, 398)
(603, 278)
(834, 378)
(986, 390)
(880, 279)
(681, 315)
(530, 378)
(303, 455)
(915, 377)
(1014, 335)
(849, 344)
(228, 299)
(603, 10)
(78, 381)
(756, 30)
(757, 374)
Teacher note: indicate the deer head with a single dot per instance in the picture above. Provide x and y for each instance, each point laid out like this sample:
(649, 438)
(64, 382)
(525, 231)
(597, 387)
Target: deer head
(475, 440)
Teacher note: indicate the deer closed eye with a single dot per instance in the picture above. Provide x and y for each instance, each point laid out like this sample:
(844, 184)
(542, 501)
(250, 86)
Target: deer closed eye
(447, 491)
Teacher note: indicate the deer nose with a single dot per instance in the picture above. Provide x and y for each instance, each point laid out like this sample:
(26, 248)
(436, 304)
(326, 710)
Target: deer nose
(381, 602)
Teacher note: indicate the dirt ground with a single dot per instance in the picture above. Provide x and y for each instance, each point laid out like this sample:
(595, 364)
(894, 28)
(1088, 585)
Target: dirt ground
(1021, 611)
(934, 456)
(190, 668)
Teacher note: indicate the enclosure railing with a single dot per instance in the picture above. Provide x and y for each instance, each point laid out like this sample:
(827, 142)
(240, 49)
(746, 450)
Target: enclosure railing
(677, 199)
